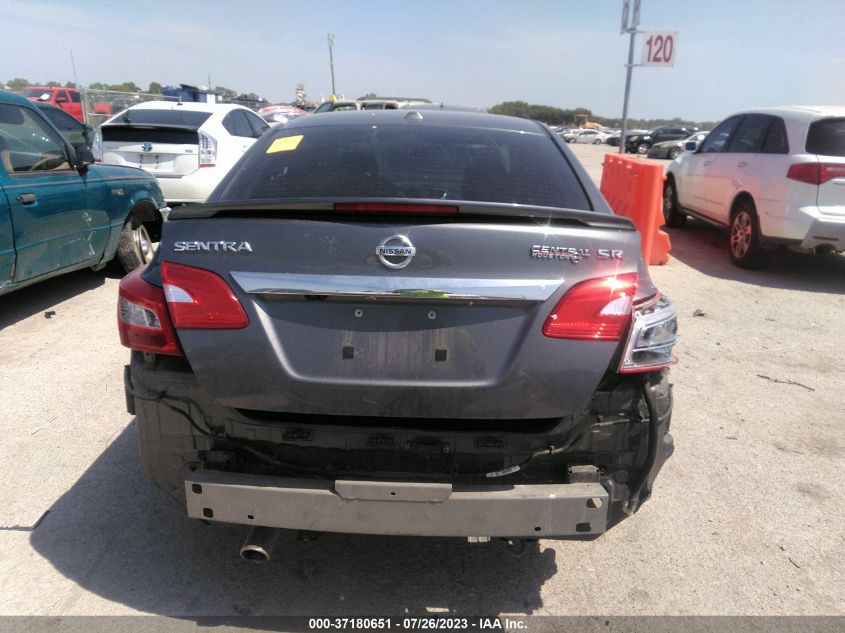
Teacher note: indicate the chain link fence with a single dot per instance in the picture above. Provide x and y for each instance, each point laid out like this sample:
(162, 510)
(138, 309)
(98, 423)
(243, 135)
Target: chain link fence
(99, 105)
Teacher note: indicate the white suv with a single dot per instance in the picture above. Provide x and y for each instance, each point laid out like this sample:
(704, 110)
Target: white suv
(188, 147)
(772, 176)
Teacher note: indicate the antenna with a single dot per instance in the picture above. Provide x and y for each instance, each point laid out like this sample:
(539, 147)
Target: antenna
(73, 65)
(331, 60)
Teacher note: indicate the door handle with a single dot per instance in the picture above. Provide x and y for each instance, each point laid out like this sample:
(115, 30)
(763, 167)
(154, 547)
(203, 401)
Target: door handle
(27, 198)
(743, 163)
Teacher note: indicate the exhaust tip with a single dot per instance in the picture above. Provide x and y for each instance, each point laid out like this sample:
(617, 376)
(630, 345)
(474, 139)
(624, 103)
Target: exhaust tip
(255, 554)
(259, 545)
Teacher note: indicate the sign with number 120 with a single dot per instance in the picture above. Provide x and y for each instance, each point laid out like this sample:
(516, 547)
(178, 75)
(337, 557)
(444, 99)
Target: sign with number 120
(659, 48)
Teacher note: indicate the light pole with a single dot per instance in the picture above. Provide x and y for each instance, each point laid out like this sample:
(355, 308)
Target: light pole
(331, 60)
(632, 30)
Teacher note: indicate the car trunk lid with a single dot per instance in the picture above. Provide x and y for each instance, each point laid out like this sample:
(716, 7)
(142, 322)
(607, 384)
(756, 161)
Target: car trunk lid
(456, 332)
(161, 150)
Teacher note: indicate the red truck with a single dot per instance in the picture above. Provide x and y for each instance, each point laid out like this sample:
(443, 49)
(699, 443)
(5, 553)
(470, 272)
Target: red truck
(68, 99)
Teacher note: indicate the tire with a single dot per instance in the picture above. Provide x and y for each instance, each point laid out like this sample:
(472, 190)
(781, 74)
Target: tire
(642, 148)
(597, 142)
(570, 140)
(135, 248)
(673, 153)
(744, 237)
(671, 214)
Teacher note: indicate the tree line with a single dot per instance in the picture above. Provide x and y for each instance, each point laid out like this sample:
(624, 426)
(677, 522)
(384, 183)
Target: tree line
(573, 117)
(18, 83)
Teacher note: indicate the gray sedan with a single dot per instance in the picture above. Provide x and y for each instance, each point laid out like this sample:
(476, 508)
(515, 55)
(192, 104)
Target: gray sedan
(673, 149)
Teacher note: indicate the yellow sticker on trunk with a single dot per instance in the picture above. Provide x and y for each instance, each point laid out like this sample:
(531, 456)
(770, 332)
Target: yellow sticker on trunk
(284, 144)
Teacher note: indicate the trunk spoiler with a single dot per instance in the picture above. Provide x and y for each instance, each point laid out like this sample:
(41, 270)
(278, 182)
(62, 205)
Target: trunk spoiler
(468, 210)
(172, 127)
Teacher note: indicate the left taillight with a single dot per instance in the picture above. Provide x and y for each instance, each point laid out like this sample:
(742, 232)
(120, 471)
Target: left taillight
(142, 318)
(200, 299)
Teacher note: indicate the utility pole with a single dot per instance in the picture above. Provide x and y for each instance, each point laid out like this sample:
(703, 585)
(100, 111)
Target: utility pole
(331, 60)
(630, 66)
(632, 31)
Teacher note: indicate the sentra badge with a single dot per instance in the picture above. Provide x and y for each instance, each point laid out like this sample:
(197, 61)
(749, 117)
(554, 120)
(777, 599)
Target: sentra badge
(218, 247)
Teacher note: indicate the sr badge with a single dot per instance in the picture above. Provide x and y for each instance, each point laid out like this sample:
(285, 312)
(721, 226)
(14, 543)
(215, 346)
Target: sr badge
(573, 255)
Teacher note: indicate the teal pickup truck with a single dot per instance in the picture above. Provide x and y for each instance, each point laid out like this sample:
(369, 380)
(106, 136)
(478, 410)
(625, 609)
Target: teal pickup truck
(60, 212)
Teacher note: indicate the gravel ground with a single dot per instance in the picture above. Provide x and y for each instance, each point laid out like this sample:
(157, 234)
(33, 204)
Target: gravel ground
(746, 517)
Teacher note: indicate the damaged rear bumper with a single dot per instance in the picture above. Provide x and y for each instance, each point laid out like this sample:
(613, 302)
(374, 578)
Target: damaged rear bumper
(399, 508)
(191, 448)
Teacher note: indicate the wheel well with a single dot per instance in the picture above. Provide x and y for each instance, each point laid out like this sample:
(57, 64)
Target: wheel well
(146, 213)
(740, 198)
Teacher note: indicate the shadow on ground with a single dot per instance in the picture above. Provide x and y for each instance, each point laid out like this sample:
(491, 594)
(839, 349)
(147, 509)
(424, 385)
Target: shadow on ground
(41, 297)
(117, 536)
(705, 248)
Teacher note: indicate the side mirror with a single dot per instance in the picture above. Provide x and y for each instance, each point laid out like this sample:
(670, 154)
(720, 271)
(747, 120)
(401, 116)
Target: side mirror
(690, 146)
(84, 157)
(61, 99)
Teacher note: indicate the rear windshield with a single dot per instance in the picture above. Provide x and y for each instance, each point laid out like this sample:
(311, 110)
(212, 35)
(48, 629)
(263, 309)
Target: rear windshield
(402, 161)
(188, 118)
(827, 137)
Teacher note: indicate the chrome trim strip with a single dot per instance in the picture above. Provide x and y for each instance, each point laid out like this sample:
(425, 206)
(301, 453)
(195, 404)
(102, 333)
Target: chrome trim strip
(397, 288)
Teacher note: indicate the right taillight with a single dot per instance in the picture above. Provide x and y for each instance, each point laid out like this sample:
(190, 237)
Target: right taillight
(207, 150)
(142, 318)
(652, 337)
(200, 299)
(815, 173)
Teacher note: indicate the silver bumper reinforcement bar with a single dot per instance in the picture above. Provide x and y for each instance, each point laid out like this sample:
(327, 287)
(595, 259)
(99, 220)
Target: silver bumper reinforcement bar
(398, 508)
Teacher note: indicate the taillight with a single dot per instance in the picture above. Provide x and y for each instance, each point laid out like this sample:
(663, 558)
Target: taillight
(381, 207)
(200, 299)
(596, 309)
(142, 318)
(652, 337)
(207, 150)
(815, 173)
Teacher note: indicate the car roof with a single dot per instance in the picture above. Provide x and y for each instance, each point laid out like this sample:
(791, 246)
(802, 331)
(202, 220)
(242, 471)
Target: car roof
(447, 118)
(187, 105)
(798, 112)
(11, 97)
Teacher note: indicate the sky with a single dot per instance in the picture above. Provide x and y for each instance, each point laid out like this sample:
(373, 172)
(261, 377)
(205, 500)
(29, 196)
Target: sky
(730, 55)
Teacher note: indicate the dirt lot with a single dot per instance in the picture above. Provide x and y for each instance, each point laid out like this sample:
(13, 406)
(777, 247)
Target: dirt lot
(746, 517)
